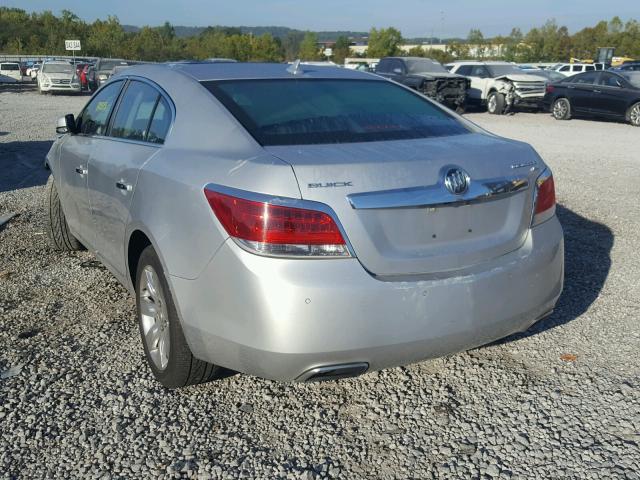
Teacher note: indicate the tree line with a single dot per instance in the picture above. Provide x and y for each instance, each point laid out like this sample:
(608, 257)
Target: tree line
(44, 34)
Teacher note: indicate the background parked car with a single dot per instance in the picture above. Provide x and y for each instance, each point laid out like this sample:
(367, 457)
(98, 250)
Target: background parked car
(628, 66)
(568, 69)
(104, 68)
(32, 71)
(500, 86)
(596, 94)
(58, 76)
(11, 70)
(428, 77)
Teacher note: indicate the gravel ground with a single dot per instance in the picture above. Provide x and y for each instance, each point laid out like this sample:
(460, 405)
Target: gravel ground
(559, 401)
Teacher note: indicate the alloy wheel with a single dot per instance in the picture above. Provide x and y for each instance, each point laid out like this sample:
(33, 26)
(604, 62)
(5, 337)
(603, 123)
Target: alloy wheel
(634, 115)
(492, 104)
(560, 109)
(153, 317)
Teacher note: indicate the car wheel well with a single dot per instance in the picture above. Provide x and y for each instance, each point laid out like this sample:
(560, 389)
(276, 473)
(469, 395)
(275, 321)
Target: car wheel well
(138, 241)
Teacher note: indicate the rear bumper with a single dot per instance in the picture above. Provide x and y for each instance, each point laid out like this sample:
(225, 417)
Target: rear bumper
(278, 318)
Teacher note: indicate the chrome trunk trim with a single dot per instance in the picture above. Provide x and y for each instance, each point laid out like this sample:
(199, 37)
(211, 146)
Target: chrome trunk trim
(437, 195)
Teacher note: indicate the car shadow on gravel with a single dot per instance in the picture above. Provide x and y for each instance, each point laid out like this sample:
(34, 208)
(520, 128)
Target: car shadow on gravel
(587, 263)
(22, 164)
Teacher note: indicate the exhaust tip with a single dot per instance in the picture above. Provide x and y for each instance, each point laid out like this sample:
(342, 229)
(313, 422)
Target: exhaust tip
(333, 372)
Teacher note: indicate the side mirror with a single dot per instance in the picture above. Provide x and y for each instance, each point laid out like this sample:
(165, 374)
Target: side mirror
(66, 124)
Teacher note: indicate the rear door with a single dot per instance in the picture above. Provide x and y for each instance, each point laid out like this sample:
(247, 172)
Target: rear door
(136, 132)
(610, 95)
(75, 152)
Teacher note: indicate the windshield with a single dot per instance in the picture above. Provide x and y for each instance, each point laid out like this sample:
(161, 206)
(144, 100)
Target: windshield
(506, 69)
(58, 68)
(426, 65)
(317, 111)
(10, 66)
(632, 77)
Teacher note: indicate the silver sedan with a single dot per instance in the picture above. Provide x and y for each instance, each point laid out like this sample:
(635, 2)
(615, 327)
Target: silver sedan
(302, 222)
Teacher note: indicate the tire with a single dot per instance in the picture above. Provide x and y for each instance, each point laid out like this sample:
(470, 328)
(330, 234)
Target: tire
(633, 114)
(561, 109)
(60, 237)
(495, 103)
(173, 365)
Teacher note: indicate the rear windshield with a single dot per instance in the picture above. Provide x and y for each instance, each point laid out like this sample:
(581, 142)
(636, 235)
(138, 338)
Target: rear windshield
(317, 111)
(10, 66)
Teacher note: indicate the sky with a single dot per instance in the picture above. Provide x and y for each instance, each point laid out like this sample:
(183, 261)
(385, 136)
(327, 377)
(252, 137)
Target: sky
(414, 18)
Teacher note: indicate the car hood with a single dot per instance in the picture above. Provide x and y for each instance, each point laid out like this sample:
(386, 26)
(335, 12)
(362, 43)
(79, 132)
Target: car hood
(524, 77)
(434, 75)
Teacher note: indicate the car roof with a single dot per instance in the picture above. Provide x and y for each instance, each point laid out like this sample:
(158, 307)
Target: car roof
(476, 62)
(57, 62)
(203, 71)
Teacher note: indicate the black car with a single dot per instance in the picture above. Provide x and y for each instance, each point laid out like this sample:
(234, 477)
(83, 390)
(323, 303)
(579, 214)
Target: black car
(428, 77)
(596, 94)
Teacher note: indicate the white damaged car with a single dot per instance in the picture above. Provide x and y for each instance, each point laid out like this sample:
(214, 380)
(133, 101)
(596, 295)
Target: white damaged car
(58, 77)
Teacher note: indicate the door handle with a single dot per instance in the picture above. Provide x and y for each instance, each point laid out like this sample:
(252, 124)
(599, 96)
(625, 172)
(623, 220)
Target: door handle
(570, 87)
(123, 186)
(81, 170)
(597, 91)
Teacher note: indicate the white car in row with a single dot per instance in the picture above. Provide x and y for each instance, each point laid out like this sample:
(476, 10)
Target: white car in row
(10, 72)
(58, 77)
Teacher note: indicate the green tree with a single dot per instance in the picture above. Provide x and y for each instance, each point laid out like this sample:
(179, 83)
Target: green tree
(341, 50)
(477, 43)
(309, 49)
(384, 42)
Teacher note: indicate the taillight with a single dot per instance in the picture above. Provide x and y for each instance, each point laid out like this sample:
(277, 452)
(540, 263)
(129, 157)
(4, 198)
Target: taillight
(278, 230)
(549, 88)
(545, 202)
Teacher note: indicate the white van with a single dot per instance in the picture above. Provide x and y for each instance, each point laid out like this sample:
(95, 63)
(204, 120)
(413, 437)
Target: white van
(11, 70)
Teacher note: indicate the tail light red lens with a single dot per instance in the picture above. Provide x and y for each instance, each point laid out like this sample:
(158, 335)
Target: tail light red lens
(277, 229)
(549, 88)
(545, 206)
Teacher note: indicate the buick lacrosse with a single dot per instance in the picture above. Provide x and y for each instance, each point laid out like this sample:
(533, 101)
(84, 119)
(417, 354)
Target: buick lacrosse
(302, 222)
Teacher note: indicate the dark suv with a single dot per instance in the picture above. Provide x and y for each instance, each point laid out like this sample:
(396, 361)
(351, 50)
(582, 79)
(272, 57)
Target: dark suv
(428, 77)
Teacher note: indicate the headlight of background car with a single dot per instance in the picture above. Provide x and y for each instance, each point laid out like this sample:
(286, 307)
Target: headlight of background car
(102, 77)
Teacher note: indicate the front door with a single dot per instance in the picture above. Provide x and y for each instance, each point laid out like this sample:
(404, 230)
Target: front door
(75, 152)
(116, 160)
(609, 95)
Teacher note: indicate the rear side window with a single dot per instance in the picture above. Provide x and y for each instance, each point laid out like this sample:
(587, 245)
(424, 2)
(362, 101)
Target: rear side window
(134, 112)
(10, 66)
(160, 122)
(95, 116)
(586, 78)
(321, 111)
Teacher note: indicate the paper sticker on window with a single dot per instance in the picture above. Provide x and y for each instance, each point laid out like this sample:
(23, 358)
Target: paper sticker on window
(102, 106)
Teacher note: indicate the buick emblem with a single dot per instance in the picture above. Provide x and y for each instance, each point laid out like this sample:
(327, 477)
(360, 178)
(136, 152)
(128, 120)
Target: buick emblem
(457, 181)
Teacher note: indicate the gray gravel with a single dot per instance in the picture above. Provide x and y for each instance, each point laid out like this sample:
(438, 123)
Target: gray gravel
(560, 401)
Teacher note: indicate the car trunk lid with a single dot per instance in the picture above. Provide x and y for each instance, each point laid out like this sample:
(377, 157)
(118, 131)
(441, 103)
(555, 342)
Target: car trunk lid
(398, 216)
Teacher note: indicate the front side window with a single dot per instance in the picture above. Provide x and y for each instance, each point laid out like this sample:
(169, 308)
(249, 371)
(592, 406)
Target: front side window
(565, 68)
(94, 118)
(610, 80)
(133, 116)
(384, 66)
(464, 70)
(322, 111)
